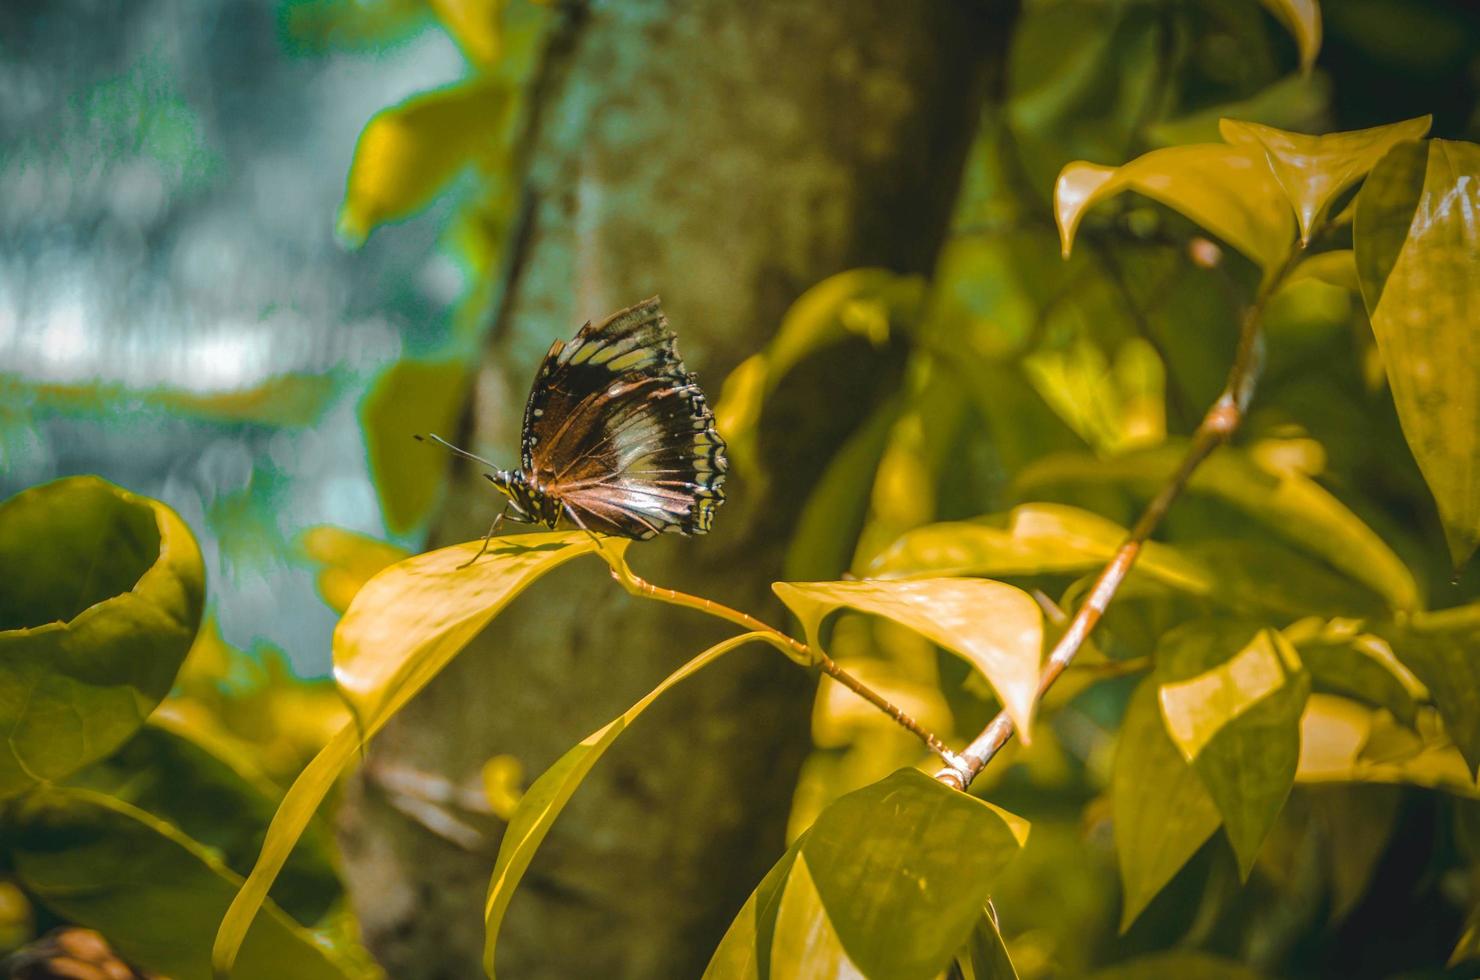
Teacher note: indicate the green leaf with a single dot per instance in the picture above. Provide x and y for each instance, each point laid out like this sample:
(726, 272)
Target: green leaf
(1449, 666)
(1303, 19)
(985, 956)
(411, 398)
(1231, 695)
(1345, 742)
(154, 892)
(1226, 189)
(403, 627)
(1338, 268)
(887, 884)
(1314, 170)
(996, 628)
(1417, 239)
(346, 560)
(858, 302)
(1162, 811)
(543, 802)
(1284, 500)
(1343, 660)
(102, 598)
(1177, 965)
(220, 806)
(1355, 823)
(408, 153)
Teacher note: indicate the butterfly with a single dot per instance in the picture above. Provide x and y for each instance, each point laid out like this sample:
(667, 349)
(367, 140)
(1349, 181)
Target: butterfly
(618, 438)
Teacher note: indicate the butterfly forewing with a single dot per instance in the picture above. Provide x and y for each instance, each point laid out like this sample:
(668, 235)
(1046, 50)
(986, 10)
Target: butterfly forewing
(618, 430)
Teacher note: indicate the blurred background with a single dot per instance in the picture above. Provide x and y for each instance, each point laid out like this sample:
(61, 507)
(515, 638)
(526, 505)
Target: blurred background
(247, 247)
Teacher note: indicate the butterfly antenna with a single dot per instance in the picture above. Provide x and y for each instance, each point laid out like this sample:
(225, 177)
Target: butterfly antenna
(454, 449)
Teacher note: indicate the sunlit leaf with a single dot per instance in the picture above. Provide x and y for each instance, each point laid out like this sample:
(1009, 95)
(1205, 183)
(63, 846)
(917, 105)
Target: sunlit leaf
(1163, 813)
(1283, 499)
(220, 806)
(1303, 18)
(1343, 660)
(542, 803)
(859, 302)
(1314, 170)
(1231, 695)
(346, 561)
(403, 627)
(997, 628)
(887, 884)
(102, 597)
(1229, 190)
(1449, 666)
(408, 153)
(155, 893)
(1417, 239)
(1343, 741)
(1177, 965)
(476, 25)
(411, 398)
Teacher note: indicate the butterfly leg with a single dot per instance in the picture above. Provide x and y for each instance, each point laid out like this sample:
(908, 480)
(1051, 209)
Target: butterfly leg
(492, 530)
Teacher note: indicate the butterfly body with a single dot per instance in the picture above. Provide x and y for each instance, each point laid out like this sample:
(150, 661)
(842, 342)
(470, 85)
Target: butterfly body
(618, 437)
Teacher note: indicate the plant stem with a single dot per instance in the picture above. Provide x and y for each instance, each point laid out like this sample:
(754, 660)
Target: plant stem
(793, 648)
(1216, 428)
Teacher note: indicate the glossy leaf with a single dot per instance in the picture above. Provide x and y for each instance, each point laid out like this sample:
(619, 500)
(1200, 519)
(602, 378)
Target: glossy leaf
(1162, 810)
(858, 302)
(543, 802)
(408, 153)
(155, 893)
(408, 399)
(1314, 170)
(1343, 741)
(1303, 19)
(1228, 190)
(219, 805)
(403, 627)
(346, 561)
(1449, 666)
(1177, 965)
(1417, 239)
(888, 884)
(1286, 501)
(997, 628)
(102, 598)
(1231, 695)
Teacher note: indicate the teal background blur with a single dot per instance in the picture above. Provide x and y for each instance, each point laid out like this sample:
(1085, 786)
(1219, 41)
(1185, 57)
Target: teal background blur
(176, 313)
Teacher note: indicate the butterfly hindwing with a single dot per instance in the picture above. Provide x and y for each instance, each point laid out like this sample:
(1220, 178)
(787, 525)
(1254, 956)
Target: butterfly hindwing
(620, 432)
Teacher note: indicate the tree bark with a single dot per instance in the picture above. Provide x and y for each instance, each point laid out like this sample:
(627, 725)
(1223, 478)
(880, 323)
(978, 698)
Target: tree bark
(726, 155)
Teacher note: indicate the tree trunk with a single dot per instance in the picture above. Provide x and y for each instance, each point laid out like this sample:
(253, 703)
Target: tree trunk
(726, 155)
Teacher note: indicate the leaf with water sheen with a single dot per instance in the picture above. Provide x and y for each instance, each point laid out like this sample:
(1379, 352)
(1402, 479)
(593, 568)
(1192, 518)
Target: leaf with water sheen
(543, 802)
(1228, 190)
(1231, 695)
(888, 884)
(102, 597)
(403, 627)
(1417, 239)
(1314, 170)
(154, 892)
(997, 628)
(1163, 813)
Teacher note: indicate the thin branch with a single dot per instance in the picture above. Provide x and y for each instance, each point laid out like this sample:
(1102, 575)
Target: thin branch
(1216, 428)
(793, 648)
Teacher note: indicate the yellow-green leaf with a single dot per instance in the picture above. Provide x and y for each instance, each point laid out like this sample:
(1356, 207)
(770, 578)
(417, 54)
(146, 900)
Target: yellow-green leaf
(1231, 695)
(1163, 813)
(102, 597)
(1314, 170)
(1417, 239)
(411, 398)
(985, 956)
(1343, 741)
(408, 153)
(153, 891)
(1449, 666)
(542, 803)
(997, 628)
(346, 561)
(476, 25)
(403, 627)
(1177, 965)
(1303, 19)
(1229, 190)
(1338, 268)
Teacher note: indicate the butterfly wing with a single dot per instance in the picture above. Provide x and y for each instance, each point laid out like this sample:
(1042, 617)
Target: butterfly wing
(620, 432)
